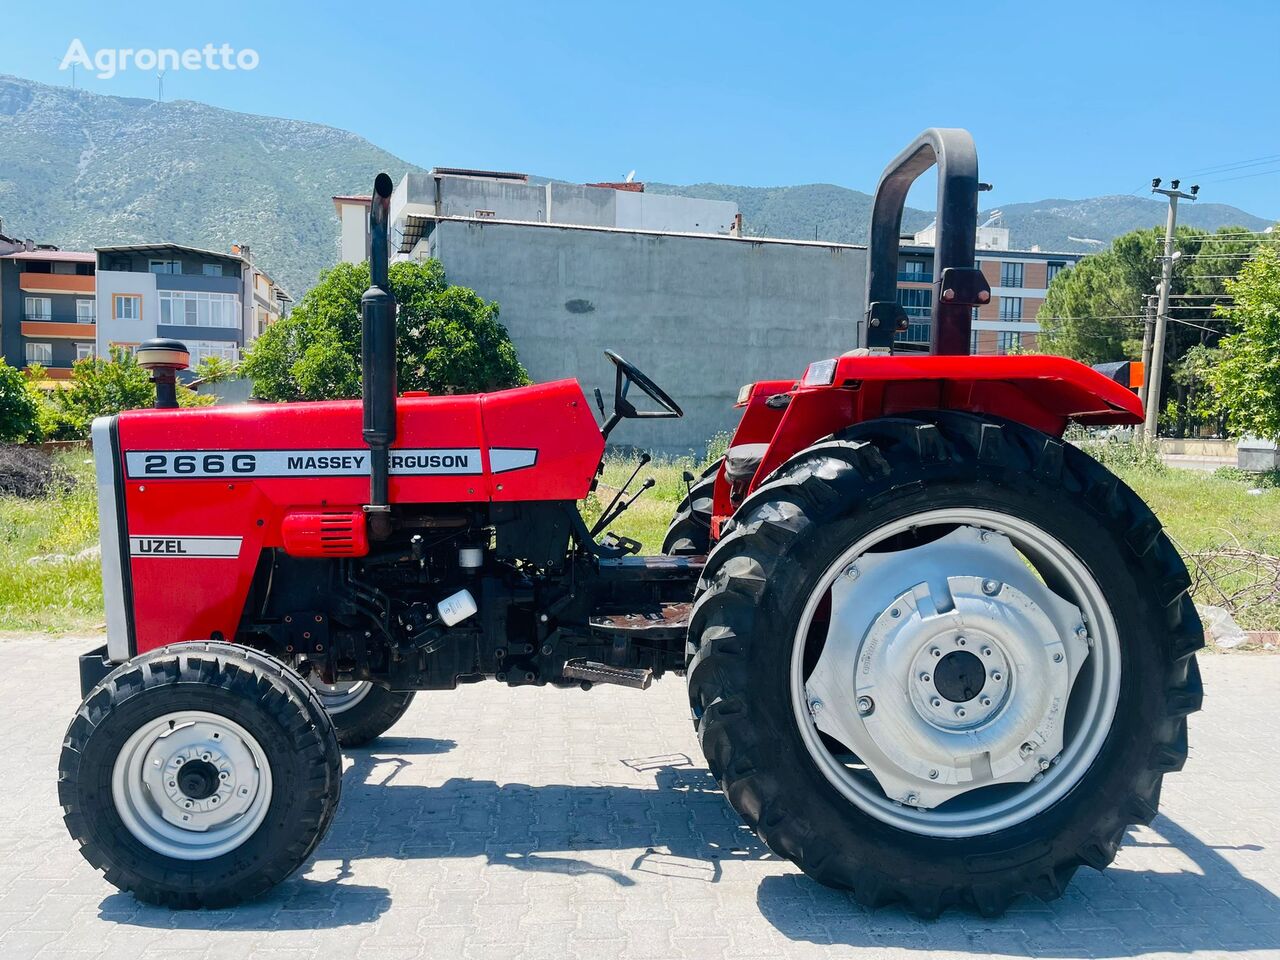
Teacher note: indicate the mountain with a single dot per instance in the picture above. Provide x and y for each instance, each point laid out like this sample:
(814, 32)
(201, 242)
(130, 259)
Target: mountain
(822, 211)
(79, 169)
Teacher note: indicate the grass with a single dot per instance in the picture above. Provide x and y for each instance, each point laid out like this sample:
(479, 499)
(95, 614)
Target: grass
(63, 596)
(1200, 512)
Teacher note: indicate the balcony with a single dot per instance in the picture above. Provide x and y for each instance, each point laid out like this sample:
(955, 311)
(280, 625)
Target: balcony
(56, 283)
(44, 328)
(909, 277)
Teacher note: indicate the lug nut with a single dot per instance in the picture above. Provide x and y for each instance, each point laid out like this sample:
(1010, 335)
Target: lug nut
(989, 587)
(895, 613)
(961, 641)
(912, 799)
(865, 706)
(1044, 763)
(986, 651)
(933, 774)
(985, 701)
(996, 676)
(960, 712)
(935, 652)
(1057, 658)
(851, 571)
(815, 706)
(924, 678)
(935, 702)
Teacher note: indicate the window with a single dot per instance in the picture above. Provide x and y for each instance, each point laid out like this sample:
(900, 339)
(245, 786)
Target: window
(85, 351)
(1010, 308)
(225, 349)
(1052, 269)
(41, 353)
(193, 309)
(211, 269)
(973, 341)
(86, 311)
(166, 266)
(917, 304)
(1008, 341)
(126, 306)
(1011, 273)
(38, 308)
(914, 271)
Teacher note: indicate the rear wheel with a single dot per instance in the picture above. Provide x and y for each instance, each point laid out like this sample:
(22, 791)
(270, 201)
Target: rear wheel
(690, 531)
(361, 710)
(199, 775)
(944, 660)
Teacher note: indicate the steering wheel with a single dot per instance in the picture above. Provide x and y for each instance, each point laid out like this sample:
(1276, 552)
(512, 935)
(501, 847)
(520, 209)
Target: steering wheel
(629, 373)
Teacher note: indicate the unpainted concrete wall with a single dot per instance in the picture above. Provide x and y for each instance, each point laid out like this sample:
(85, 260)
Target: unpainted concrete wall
(701, 316)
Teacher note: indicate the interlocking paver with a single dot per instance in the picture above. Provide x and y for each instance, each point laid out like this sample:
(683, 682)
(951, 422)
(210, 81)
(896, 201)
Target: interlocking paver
(526, 823)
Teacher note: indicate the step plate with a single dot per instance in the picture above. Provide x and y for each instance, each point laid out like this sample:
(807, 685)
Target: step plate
(665, 621)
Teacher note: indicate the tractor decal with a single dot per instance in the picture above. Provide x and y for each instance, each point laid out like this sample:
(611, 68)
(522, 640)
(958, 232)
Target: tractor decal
(202, 464)
(184, 547)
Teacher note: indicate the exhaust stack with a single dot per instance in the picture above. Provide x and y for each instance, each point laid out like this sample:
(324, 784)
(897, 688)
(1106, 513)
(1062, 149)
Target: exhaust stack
(378, 360)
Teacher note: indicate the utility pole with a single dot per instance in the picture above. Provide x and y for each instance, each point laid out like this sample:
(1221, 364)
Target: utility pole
(1148, 329)
(1162, 311)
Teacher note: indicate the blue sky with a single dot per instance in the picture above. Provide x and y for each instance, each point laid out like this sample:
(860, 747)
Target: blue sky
(1066, 99)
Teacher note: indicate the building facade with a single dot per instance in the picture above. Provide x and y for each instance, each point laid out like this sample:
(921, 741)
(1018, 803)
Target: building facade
(48, 307)
(1019, 281)
(215, 303)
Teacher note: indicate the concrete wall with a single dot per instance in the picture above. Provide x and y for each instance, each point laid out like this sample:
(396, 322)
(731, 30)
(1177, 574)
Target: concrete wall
(701, 316)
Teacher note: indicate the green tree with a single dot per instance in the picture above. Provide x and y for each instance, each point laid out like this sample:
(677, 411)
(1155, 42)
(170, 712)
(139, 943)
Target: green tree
(213, 369)
(19, 412)
(1247, 376)
(100, 388)
(1093, 312)
(449, 339)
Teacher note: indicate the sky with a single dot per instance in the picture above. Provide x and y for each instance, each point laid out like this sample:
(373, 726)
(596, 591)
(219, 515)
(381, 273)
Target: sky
(1069, 99)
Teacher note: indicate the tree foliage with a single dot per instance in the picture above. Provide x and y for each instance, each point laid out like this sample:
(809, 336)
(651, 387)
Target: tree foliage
(19, 411)
(1247, 376)
(449, 339)
(1094, 311)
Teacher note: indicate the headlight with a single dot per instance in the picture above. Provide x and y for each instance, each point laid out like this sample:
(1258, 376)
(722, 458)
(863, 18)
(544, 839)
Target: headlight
(819, 374)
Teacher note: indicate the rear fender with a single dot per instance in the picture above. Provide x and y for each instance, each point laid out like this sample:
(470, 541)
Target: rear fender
(1042, 392)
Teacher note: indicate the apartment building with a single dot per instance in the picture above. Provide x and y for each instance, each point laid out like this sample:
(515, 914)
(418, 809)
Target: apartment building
(215, 303)
(1019, 282)
(48, 307)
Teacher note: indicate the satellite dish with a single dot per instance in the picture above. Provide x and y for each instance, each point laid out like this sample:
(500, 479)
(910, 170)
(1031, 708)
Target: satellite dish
(631, 176)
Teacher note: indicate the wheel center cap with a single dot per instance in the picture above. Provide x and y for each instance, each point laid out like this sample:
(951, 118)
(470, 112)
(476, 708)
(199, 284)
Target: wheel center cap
(959, 676)
(198, 779)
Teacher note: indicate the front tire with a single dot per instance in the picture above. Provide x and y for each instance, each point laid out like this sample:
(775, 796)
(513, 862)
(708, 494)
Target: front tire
(199, 775)
(689, 533)
(885, 817)
(361, 710)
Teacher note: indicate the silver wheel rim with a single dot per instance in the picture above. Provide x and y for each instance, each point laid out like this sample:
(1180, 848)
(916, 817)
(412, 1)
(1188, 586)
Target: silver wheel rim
(341, 696)
(1038, 637)
(191, 785)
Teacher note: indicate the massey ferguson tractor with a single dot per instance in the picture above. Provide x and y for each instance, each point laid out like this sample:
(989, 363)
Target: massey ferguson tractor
(934, 653)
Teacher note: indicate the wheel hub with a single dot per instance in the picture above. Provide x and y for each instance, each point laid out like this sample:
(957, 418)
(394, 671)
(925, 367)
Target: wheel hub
(947, 667)
(191, 785)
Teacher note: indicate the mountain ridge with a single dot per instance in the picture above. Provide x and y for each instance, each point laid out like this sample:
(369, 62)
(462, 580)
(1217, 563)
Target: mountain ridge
(82, 169)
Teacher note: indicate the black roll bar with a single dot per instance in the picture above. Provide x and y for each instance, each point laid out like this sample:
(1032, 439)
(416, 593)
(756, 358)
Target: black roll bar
(958, 285)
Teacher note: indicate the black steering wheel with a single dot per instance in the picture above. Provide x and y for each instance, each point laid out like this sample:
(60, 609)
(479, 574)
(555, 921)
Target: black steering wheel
(629, 373)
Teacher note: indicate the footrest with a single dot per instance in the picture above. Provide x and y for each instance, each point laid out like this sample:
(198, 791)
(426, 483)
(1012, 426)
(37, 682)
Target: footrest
(636, 677)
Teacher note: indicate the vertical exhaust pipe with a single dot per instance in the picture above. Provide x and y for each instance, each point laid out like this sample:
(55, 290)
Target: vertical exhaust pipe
(378, 361)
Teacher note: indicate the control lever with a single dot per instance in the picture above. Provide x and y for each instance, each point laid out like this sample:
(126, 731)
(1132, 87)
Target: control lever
(609, 514)
(600, 404)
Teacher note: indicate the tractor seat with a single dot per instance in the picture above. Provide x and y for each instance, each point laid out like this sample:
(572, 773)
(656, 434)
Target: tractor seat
(743, 460)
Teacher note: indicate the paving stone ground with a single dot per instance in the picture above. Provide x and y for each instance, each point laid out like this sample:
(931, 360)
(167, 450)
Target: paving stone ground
(528, 823)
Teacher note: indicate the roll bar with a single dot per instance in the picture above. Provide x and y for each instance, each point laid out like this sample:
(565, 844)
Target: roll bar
(958, 285)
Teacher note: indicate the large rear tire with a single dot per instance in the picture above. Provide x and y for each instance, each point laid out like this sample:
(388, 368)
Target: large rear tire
(199, 774)
(361, 710)
(814, 643)
(689, 533)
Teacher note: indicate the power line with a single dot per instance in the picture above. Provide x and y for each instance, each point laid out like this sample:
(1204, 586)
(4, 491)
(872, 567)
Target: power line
(1235, 164)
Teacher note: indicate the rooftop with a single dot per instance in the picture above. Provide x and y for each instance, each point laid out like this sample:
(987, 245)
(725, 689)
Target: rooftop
(64, 256)
(168, 248)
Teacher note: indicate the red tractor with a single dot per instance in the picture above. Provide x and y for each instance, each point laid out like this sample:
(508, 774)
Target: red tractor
(935, 654)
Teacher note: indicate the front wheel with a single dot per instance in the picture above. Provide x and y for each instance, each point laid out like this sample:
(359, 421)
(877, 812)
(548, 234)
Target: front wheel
(199, 774)
(944, 660)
